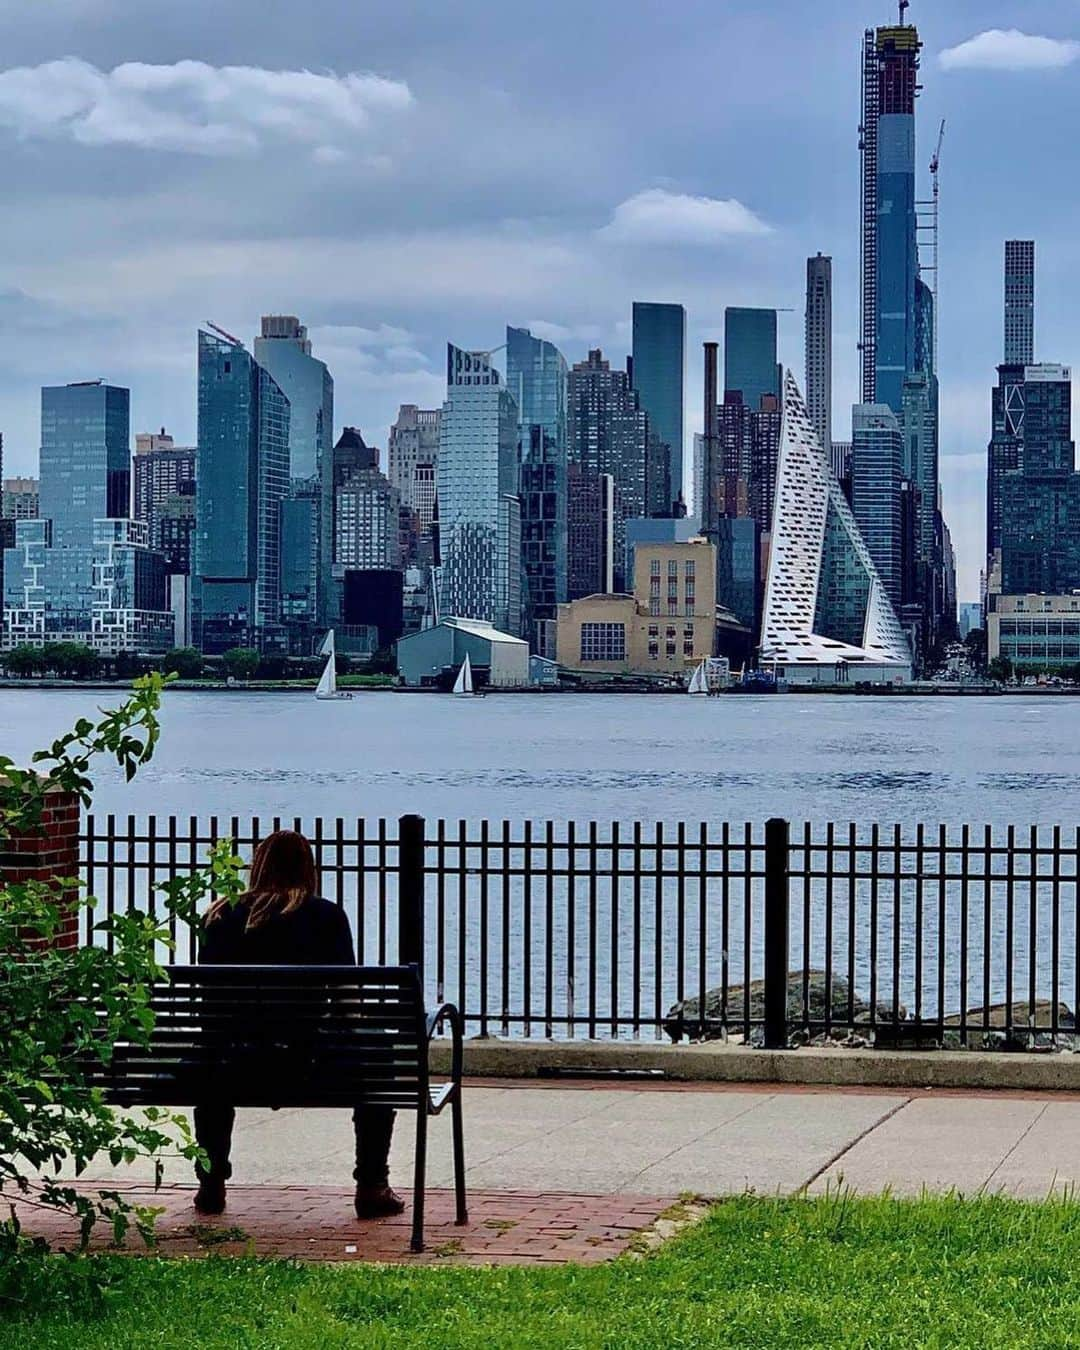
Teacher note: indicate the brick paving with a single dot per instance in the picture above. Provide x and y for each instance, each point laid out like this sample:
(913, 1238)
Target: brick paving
(316, 1223)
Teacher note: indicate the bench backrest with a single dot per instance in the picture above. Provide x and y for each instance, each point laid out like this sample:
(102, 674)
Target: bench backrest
(277, 1036)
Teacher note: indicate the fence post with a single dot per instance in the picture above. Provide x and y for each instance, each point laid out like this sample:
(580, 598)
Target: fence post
(411, 892)
(777, 842)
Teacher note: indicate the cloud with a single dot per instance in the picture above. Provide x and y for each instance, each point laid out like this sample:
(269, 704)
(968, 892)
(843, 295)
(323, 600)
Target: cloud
(355, 335)
(558, 332)
(195, 108)
(1009, 49)
(658, 217)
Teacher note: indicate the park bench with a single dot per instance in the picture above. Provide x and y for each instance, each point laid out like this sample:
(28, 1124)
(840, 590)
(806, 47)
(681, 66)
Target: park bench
(275, 1036)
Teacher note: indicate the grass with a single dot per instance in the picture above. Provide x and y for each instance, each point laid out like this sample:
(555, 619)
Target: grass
(835, 1271)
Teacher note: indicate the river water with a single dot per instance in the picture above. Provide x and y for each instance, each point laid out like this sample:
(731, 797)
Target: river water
(585, 757)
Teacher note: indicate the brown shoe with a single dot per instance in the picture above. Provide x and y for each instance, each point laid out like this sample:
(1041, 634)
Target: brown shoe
(210, 1197)
(378, 1202)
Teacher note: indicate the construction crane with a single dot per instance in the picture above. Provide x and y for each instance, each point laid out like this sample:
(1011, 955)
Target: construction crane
(222, 333)
(927, 216)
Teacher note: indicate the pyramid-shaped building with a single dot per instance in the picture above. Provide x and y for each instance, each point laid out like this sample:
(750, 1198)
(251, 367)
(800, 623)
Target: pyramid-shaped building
(827, 617)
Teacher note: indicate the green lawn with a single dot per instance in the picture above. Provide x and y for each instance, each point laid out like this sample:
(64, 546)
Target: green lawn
(760, 1273)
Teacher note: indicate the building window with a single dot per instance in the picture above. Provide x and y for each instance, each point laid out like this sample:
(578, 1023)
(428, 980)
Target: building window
(654, 567)
(654, 607)
(654, 631)
(688, 569)
(688, 647)
(603, 642)
(673, 567)
(670, 648)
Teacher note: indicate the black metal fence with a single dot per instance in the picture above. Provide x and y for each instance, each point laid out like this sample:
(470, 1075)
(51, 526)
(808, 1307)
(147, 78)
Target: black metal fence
(542, 930)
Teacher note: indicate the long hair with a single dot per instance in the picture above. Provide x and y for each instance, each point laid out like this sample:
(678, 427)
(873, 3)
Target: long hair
(282, 878)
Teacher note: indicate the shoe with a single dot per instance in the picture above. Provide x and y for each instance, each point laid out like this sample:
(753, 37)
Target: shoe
(210, 1197)
(378, 1202)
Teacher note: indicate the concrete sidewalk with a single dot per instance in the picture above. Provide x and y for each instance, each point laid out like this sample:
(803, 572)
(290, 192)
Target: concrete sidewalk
(657, 1141)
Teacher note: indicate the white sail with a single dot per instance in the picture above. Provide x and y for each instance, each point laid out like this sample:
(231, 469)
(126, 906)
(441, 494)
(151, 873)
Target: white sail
(327, 686)
(699, 681)
(327, 648)
(463, 684)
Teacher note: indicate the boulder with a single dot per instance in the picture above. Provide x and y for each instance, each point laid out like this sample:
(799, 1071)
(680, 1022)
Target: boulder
(682, 1018)
(1030, 1029)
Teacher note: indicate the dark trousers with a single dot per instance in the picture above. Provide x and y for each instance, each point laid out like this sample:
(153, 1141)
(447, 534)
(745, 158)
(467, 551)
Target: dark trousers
(373, 1127)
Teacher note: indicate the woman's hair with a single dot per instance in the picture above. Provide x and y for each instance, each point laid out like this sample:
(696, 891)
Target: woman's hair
(282, 878)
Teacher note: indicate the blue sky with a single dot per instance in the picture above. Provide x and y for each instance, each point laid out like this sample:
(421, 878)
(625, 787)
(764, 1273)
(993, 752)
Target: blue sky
(403, 173)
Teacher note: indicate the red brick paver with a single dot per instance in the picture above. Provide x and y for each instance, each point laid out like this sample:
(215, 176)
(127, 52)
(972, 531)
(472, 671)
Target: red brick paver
(316, 1223)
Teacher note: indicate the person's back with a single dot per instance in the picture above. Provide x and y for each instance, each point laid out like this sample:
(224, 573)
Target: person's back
(281, 920)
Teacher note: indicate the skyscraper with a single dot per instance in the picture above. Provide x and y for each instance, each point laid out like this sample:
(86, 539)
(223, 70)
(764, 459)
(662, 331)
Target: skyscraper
(877, 473)
(164, 496)
(888, 229)
(83, 571)
(750, 367)
(537, 377)
(827, 615)
(819, 348)
(1019, 302)
(243, 478)
(414, 442)
(659, 375)
(283, 349)
(479, 512)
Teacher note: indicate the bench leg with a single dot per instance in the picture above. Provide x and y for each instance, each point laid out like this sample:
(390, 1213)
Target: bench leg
(459, 1157)
(419, 1171)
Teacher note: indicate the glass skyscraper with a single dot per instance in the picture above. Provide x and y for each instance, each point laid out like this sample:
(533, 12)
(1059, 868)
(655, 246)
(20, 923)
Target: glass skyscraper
(243, 478)
(284, 350)
(750, 367)
(1019, 302)
(83, 572)
(536, 375)
(479, 512)
(659, 376)
(877, 472)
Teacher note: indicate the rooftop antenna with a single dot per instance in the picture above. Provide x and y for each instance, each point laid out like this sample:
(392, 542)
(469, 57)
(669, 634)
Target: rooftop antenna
(905, 5)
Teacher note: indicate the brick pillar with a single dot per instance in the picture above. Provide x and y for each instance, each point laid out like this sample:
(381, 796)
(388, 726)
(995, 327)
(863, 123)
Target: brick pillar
(49, 851)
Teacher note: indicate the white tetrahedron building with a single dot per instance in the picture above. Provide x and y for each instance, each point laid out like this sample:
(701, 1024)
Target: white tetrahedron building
(827, 616)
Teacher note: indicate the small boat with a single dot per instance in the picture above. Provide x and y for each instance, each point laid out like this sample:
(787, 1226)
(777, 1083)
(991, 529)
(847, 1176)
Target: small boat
(699, 681)
(463, 686)
(327, 686)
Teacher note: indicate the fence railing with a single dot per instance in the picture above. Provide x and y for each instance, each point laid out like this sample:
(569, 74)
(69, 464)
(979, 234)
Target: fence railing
(541, 930)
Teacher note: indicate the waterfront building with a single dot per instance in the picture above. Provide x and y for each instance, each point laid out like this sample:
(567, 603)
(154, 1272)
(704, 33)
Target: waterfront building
(300, 564)
(658, 370)
(366, 522)
(414, 442)
(819, 348)
(374, 598)
(1019, 302)
(243, 477)
(827, 615)
(667, 625)
(877, 476)
(283, 350)
(738, 568)
(750, 365)
(971, 617)
(83, 571)
(537, 377)
(432, 657)
(479, 511)
(592, 516)
(648, 531)
(1037, 633)
(20, 497)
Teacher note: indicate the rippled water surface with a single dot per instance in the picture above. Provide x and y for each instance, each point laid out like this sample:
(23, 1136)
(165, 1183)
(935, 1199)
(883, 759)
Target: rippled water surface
(585, 757)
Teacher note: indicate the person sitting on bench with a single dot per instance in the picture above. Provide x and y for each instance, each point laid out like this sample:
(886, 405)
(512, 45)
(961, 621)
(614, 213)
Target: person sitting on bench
(281, 920)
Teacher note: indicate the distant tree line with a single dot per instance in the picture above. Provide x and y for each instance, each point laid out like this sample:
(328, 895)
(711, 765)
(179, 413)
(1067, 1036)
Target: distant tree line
(77, 661)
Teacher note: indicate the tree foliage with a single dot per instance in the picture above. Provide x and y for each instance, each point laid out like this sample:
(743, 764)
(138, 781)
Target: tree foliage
(51, 1122)
(241, 662)
(1000, 669)
(186, 662)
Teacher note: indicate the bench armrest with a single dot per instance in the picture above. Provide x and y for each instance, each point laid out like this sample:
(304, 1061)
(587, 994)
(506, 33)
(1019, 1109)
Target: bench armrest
(449, 1013)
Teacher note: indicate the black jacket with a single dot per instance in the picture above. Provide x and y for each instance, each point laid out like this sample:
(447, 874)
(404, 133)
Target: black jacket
(316, 934)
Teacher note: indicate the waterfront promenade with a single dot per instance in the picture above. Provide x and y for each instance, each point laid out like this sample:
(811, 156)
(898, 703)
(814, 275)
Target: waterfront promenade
(584, 1172)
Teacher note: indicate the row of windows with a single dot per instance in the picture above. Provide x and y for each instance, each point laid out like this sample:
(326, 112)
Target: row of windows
(603, 642)
(672, 567)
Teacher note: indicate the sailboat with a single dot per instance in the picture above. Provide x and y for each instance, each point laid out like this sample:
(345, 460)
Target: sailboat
(463, 684)
(699, 681)
(327, 686)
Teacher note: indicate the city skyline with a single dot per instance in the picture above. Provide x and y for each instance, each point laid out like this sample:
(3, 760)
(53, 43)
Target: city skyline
(108, 271)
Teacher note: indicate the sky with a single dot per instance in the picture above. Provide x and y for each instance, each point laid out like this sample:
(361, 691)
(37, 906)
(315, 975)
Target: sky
(403, 174)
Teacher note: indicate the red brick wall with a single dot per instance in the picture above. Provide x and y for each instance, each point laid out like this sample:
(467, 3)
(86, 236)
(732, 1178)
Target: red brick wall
(48, 852)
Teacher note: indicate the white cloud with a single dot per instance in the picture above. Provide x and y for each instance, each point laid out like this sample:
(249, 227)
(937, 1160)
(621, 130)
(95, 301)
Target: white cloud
(659, 217)
(196, 108)
(558, 332)
(1009, 49)
(355, 335)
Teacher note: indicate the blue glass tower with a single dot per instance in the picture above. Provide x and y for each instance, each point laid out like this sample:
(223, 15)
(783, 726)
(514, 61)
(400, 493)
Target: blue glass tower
(659, 374)
(536, 375)
(243, 478)
(750, 367)
(85, 458)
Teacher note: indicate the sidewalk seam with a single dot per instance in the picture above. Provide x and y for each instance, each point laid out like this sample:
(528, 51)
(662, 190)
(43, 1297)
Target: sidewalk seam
(863, 1134)
(712, 1129)
(1024, 1134)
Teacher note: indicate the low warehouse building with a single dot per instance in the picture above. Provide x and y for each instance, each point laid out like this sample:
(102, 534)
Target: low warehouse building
(431, 657)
